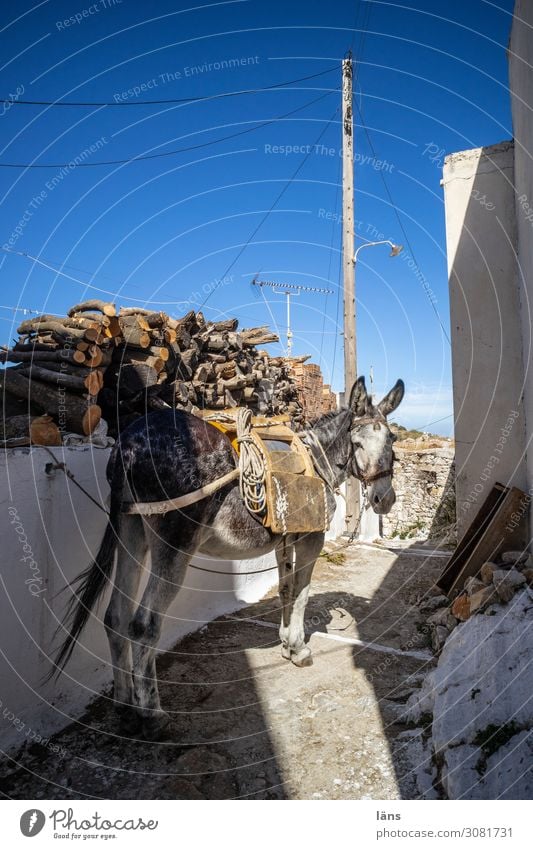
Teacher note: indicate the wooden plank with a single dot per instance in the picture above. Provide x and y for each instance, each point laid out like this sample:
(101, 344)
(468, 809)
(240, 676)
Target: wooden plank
(486, 537)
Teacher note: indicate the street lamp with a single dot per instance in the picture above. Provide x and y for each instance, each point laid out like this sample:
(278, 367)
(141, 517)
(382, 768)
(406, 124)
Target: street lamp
(395, 249)
(370, 521)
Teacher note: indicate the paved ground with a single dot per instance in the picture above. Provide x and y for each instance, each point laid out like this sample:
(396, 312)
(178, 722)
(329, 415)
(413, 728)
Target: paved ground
(248, 724)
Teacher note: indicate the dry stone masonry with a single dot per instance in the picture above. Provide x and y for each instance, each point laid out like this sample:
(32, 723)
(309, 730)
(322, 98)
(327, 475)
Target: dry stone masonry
(424, 481)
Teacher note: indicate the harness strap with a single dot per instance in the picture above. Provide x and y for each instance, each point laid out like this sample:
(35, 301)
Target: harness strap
(371, 478)
(150, 508)
(311, 440)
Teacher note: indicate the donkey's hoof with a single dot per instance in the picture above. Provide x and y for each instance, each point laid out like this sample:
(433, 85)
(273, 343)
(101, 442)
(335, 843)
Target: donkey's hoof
(129, 721)
(157, 727)
(286, 652)
(302, 657)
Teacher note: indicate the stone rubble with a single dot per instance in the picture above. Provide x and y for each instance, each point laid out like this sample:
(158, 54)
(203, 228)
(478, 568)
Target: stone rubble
(474, 711)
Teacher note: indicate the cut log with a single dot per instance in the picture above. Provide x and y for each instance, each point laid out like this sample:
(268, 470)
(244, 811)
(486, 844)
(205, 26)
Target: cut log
(92, 334)
(183, 337)
(162, 353)
(60, 330)
(187, 362)
(67, 368)
(57, 378)
(135, 377)
(125, 311)
(156, 319)
(70, 412)
(60, 355)
(227, 325)
(28, 347)
(94, 381)
(114, 329)
(216, 342)
(15, 427)
(100, 306)
(96, 357)
(154, 362)
(258, 336)
(134, 334)
(44, 431)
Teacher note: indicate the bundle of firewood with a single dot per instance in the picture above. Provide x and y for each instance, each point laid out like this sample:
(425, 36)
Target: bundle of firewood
(95, 362)
(191, 363)
(60, 364)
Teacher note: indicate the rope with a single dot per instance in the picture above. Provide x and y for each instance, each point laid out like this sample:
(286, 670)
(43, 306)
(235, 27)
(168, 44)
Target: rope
(355, 531)
(251, 465)
(62, 467)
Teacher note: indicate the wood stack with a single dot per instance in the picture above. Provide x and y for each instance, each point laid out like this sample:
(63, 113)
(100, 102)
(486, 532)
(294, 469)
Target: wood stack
(60, 364)
(188, 363)
(95, 362)
(316, 397)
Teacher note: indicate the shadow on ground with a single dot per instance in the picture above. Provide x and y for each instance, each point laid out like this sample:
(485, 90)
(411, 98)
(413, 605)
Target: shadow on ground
(248, 724)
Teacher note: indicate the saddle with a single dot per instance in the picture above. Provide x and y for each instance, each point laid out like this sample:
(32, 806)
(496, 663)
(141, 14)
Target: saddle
(294, 498)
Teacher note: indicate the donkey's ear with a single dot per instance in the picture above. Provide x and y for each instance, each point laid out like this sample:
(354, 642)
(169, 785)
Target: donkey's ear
(393, 399)
(359, 397)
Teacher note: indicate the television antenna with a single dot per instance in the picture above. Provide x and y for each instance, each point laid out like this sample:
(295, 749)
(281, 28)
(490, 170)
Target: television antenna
(290, 290)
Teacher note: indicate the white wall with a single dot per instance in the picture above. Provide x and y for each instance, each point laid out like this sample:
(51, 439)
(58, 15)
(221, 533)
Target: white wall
(50, 523)
(487, 364)
(521, 82)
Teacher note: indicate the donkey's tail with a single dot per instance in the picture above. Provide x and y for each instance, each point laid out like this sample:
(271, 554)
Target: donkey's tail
(89, 586)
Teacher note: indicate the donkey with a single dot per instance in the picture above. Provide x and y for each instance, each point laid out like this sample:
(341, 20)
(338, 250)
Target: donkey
(170, 453)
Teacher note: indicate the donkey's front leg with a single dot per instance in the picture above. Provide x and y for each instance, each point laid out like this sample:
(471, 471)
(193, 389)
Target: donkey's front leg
(307, 550)
(168, 569)
(285, 557)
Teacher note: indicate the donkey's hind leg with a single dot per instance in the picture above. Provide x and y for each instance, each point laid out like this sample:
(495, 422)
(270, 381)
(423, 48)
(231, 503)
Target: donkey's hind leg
(130, 556)
(168, 570)
(307, 550)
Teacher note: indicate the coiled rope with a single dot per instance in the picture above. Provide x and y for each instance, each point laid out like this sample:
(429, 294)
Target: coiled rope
(251, 465)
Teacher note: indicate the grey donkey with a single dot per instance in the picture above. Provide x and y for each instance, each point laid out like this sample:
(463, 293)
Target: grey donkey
(170, 453)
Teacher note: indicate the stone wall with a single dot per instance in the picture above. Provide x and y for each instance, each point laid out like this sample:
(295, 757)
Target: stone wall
(424, 481)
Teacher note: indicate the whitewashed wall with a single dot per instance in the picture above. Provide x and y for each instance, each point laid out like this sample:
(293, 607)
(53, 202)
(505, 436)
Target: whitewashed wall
(487, 355)
(49, 532)
(521, 83)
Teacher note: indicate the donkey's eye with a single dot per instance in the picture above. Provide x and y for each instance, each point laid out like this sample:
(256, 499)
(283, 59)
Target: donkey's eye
(357, 445)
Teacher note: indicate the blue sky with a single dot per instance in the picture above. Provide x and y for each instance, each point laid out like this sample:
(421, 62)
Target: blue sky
(166, 230)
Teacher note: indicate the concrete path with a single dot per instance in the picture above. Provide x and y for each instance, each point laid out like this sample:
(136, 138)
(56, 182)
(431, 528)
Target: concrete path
(248, 724)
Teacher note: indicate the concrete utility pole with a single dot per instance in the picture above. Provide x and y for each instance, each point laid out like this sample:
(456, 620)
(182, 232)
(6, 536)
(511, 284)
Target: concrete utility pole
(348, 240)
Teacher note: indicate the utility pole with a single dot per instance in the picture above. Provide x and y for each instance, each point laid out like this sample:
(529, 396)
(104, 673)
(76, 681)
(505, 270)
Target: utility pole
(348, 241)
(290, 290)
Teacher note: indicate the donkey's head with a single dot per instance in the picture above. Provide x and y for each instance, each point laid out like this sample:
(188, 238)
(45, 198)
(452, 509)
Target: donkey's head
(372, 442)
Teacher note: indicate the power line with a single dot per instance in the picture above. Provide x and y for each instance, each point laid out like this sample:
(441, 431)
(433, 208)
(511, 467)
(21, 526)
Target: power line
(275, 203)
(400, 222)
(25, 310)
(198, 99)
(333, 223)
(428, 424)
(259, 126)
(48, 265)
